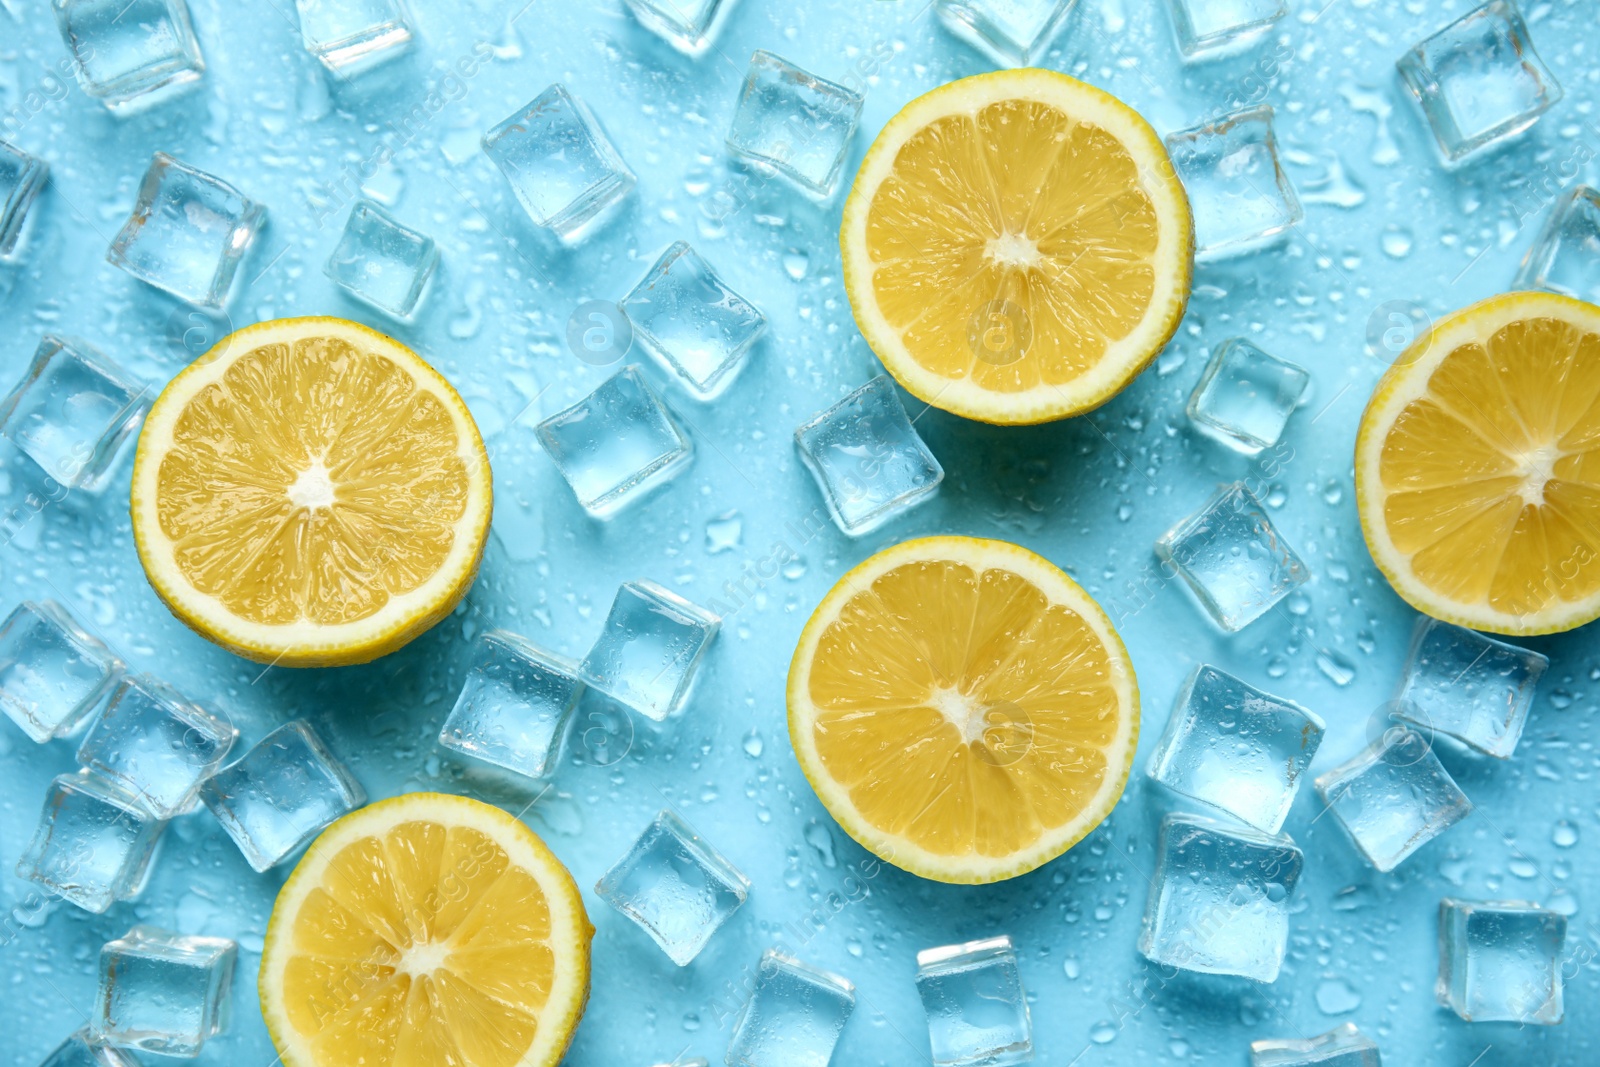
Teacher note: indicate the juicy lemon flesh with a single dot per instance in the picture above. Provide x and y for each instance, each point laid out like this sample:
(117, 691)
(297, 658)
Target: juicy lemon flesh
(1492, 476)
(1016, 206)
(421, 948)
(313, 481)
(961, 710)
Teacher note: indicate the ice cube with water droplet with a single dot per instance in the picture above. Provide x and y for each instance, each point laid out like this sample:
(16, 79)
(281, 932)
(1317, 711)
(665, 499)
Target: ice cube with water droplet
(794, 1016)
(22, 179)
(1245, 396)
(349, 37)
(695, 326)
(81, 1050)
(1238, 191)
(1232, 558)
(1501, 961)
(650, 647)
(163, 992)
(1343, 1046)
(1393, 797)
(794, 124)
(690, 26)
(1566, 257)
(977, 1010)
(93, 844)
(382, 263)
(1473, 688)
(53, 672)
(156, 744)
(1013, 33)
(72, 412)
(131, 55)
(515, 705)
(1205, 26)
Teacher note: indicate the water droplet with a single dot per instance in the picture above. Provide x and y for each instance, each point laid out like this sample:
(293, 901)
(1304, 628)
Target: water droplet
(752, 744)
(1340, 671)
(1103, 1033)
(1396, 242)
(1523, 867)
(691, 1022)
(818, 837)
(796, 263)
(1565, 834)
(1334, 187)
(1334, 997)
(722, 532)
(1178, 1048)
(1333, 492)
(853, 947)
(1070, 967)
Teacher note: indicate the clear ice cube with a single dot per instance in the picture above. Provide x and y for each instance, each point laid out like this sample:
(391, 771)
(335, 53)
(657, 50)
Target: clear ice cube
(977, 1010)
(382, 263)
(1013, 33)
(649, 649)
(1479, 80)
(794, 124)
(1471, 687)
(1235, 747)
(93, 845)
(53, 672)
(163, 992)
(560, 164)
(690, 26)
(1233, 558)
(794, 1016)
(1500, 961)
(131, 54)
(22, 179)
(1566, 257)
(1245, 396)
(1237, 189)
(867, 458)
(352, 36)
(282, 793)
(692, 323)
(617, 444)
(677, 887)
(80, 1050)
(72, 412)
(1205, 25)
(1220, 901)
(514, 706)
(188, 233)
(1343, 1046)
(1393, 797)
(156, 744)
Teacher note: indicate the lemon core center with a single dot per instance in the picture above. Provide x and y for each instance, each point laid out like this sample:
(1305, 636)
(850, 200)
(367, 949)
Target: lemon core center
(423, 958)
(1013, 250)
(313, 488)
(961, 711)
(1537, 467)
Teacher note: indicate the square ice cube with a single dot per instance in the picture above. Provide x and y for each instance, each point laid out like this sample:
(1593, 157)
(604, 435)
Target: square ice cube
(1245, 396)
(1471, 687)
(793, 123)
(867, 458)
(977, 1011)
(22, 179)
(93, 844)
(1204, 25)
(52, 671)
(131, 54)
(794, 1016)
(1235, 747)
(1566, 257)
(1393, 797)
(1013, 33)
(1233, 558)
(690, 26)
(692, 323)
(188, 233)
(79, 1050)
(514, 706)
(649, 649)
(382, 263)
(156, 744)
(677, 887)
(1220, 902)
(163, 992)
(1237, 189)
(72, 412)
(1343, 1046)
(352, 36)
(281, 794)
(1479, 79)
(617, 444)
(1500, 961)
(561, 165)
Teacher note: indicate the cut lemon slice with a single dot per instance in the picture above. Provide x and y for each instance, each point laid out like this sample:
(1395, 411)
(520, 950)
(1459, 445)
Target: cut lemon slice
(309, 493)
(963, 708)
(1017, 246)
(1478, 467)
(426, 931)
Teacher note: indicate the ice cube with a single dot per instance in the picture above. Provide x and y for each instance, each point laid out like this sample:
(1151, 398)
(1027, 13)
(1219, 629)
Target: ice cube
(131, 54)
(188, 233)
(1245, 396)
(22, 179)
(163, 992)
(352, 36)
(94, 843)
(1235, 747)
(867, 458)
(79, 1050)
(1500, 961)
(1013, 33)
(1237, 189)
(52, 671)
(156, 744)
(677, 887)
(649, 649)
(1471, 687)
(692, 323)
(1233, 558)
(1220, 901)
(977, 1011)
(72, 412)
(1205, 25)
(561, 165)
(514, 706)
(1566, 257)
(1343, 1046)
(281, 794)
(690, 26)
(382, 263)
(1393, 797)
(794, 124)
(617, 444)
(794, 1015)
(1479, 79)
